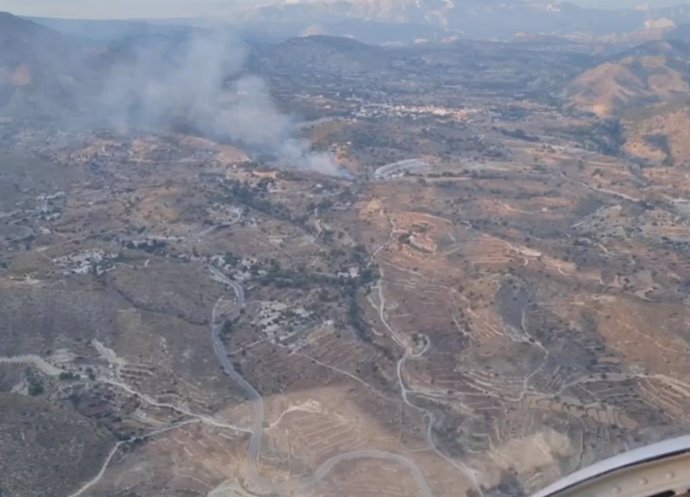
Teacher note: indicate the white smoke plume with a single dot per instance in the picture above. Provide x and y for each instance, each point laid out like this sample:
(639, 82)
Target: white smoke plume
(198, 83)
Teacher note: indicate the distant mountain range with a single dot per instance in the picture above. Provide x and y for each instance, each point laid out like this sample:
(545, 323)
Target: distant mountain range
(41, 67)
(382, 21)
(54, 73)
(407, 21)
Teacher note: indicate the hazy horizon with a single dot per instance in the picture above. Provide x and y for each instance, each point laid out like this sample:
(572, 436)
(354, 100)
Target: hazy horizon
(131, 9)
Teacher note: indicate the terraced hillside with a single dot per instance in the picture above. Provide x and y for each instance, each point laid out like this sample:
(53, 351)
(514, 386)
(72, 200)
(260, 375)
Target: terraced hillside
(488, 291)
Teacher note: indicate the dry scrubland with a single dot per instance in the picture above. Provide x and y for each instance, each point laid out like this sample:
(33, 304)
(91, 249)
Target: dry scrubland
(508, 307)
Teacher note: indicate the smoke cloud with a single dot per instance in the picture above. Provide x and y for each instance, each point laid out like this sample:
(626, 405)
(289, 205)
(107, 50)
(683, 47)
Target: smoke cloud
(198, 83)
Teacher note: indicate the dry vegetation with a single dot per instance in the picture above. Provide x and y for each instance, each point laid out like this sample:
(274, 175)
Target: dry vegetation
(513, 310)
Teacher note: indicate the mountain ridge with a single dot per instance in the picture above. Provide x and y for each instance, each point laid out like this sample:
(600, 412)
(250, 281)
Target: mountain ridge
(471, 18)
(38, 63)
(650, 73)
(406, 21)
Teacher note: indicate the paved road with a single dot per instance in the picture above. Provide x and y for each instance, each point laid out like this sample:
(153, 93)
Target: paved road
(236, 219)
(257, 402)
(390, 171)
(254, 397)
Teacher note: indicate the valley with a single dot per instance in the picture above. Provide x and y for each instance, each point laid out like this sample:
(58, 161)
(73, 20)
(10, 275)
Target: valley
(483, 288)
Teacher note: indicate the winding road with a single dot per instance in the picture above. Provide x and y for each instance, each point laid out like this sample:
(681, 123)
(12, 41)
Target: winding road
(256, 400)
(410, 353)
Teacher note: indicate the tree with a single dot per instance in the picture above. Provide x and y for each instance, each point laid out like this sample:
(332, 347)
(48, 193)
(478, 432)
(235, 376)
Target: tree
(68, 376)
(35, 388)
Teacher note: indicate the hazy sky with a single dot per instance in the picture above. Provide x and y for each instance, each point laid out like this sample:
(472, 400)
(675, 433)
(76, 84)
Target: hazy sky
(186, 8)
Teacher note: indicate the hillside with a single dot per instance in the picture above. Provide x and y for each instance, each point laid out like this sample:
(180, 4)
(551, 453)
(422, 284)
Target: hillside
(322, 268)
(651, 73)
(41, 71)
(331, 55)
(659, 135)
